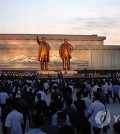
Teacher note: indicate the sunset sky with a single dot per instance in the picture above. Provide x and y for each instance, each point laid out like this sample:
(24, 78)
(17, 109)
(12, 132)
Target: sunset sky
(77, 17)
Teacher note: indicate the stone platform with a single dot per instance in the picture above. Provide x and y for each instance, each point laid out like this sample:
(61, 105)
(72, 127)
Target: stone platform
(51, 72)
(47, 72)
(71, 72)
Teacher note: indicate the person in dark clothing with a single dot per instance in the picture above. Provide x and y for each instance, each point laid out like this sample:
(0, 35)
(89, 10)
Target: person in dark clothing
(71, 111)
(36, 122)
(103, 100)
(47, 127)
(23, 108)
(4, 114)
(116, 128)
(83, 127)
(40, 105)
(64, 128)
(80, 105)
(55, 92)
(52, 104)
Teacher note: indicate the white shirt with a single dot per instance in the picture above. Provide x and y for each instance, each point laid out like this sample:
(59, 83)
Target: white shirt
(110, 87)
(35, 131)
(46, 85)
(94, 108)
(3, 97)
(105, 89)
(87, 103)
(14, 121)
(95, 88)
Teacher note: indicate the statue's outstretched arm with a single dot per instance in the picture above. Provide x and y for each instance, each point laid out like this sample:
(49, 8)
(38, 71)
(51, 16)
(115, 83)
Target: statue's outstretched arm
(38, 40)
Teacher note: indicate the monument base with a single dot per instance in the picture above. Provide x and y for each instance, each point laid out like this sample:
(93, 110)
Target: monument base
(69, 72)
(51, 72)
(47, 72)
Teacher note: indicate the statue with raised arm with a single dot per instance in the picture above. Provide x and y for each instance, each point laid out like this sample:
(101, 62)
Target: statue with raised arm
(43, 54)
(65, 51)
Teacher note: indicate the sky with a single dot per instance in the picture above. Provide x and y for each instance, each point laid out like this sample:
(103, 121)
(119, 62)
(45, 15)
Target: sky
(74, 17)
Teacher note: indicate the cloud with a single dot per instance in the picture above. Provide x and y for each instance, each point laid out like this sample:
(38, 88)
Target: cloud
(99, 22)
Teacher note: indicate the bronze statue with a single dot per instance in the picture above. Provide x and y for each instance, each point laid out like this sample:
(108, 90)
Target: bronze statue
(43, 55)
(65, 51)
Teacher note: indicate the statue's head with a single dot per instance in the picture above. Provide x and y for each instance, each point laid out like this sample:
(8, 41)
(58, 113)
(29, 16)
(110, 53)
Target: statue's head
(65, 40)
(43, 39)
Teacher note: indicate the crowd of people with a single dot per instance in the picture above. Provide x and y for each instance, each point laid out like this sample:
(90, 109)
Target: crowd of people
(23, 100)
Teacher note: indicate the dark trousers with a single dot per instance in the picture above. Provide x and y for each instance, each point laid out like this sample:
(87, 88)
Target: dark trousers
(24, 125)
(96, 130)
(116, 96)
(110, 94)
(107, 98)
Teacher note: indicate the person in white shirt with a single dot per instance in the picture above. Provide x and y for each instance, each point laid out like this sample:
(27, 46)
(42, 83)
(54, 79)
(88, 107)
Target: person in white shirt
(93, 110)
(88, 88)
(110, 89)
(105, 91)
(14, 120)
(46, 87)
(3, 97)
(95, 87)
(87, 102)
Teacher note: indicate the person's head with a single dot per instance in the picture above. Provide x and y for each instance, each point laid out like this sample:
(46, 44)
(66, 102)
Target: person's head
(116, 128)
(99, 90)
(68, 100)
(55, 88)
(78, 94)
(96, 95)
(39, 96)
(85, 94)
(61, 118)
(2, 88)
(36, 121)
(14, 104)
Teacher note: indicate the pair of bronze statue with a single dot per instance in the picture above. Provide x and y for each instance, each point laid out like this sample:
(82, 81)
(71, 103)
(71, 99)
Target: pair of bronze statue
(65, 51)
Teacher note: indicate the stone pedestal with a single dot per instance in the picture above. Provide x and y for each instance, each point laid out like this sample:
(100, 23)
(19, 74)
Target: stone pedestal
(69, 72)
(47, 72)
(51, 72)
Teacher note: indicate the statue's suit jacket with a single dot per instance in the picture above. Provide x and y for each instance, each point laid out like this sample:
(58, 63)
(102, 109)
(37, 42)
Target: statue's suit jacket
(43, 51)
(65, 51)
